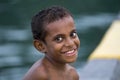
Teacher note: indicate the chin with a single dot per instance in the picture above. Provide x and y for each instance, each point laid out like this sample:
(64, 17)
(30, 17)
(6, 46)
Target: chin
(71, 60)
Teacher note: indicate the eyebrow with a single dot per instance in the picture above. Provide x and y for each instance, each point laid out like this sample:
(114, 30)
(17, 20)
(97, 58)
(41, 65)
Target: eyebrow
(74, 30)
(62, 35)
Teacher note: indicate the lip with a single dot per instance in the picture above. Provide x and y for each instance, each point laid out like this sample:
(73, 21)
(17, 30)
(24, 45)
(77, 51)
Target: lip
(71, 52)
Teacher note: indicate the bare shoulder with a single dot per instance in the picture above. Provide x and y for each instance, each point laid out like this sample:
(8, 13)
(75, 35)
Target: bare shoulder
(36, 72)
(72, 71)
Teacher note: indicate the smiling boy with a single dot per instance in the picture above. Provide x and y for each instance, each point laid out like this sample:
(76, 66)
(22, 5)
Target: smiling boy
(54, 34)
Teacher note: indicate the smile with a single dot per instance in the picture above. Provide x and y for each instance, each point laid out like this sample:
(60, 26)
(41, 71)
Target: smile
(71, 52)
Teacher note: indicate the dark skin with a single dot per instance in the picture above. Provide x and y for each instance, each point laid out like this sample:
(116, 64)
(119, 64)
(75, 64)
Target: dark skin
(60, 49)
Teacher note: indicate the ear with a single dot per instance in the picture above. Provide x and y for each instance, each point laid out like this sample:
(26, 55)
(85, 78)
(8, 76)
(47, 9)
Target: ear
(40, 46)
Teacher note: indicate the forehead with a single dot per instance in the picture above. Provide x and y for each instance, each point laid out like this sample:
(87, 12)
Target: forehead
(60, 26)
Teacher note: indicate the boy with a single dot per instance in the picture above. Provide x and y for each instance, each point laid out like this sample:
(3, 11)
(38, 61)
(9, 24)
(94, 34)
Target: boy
(55, 36)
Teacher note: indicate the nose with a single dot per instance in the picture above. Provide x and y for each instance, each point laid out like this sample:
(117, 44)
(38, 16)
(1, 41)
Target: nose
(69, 42)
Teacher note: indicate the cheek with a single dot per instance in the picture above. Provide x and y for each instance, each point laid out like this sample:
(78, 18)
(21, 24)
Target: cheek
(77, 41)
(58, 47)
(54, 48)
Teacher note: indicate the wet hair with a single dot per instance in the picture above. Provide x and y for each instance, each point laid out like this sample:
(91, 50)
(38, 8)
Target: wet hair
(44, 17)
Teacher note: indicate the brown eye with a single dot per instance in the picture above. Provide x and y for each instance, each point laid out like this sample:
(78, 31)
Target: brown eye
(59, 39)
(73, 34)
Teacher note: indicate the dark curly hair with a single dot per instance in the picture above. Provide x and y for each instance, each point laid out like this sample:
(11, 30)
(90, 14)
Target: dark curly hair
(44, 17)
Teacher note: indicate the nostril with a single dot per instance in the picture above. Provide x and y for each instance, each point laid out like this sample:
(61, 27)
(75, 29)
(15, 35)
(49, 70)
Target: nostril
(69, 43)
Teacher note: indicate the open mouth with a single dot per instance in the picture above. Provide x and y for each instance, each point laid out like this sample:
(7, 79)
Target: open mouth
(71, 52)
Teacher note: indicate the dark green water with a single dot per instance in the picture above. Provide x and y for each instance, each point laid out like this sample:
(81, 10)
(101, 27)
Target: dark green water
(17, 54)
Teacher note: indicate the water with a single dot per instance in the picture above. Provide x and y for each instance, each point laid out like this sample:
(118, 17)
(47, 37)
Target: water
(17, 53)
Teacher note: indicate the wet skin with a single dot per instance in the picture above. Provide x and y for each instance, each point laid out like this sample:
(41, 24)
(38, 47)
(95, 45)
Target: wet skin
(62, 41)
(60, 48)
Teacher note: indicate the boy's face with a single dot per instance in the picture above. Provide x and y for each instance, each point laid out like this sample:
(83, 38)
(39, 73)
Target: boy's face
(62, 41)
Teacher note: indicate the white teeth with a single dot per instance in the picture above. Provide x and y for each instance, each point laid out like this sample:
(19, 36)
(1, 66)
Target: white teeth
(70, 52)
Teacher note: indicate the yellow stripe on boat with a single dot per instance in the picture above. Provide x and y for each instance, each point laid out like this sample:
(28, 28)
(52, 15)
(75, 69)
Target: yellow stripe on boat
(109, 47)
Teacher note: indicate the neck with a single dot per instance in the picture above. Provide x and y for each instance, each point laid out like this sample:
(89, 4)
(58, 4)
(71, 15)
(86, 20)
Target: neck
(55, 64)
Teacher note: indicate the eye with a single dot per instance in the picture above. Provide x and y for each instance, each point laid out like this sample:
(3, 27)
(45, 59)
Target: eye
(59, 39)
(73, 34)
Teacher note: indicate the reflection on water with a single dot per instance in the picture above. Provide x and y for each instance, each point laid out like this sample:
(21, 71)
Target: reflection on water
(98, 20)
(17, 53)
